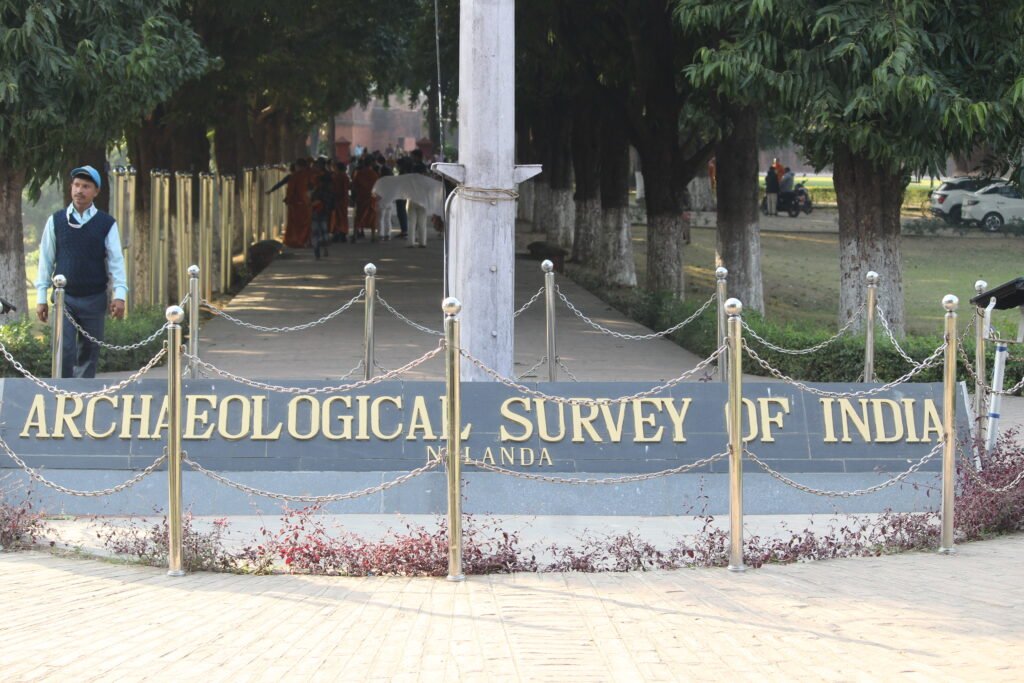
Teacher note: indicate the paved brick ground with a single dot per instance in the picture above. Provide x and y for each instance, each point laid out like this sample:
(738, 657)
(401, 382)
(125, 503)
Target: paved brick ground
(911, 617)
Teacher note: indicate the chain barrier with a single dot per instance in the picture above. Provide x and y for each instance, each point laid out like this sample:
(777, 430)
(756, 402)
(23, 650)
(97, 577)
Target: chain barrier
(892, 337)
(976, 476)
(56, 391)
(114, 347)
(926, 363)
(312, 391)
(354, 370)
(627, 479)
(532, 301)
(329, 498)
(810, 349)
(34, 474)
(533, 368)
(566, 370)
(846, 494)
(972, 373)
(294, 328)
(592, 401)
(393, 311)
(634, 337)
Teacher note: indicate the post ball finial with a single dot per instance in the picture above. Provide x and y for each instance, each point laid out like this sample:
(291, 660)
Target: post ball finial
(872, 277)
(980, 286)
(733, 306)
(193, 271)
(60, 281)
(451, 306)
(175, 314)
(547, 266)
(370, 270)
(950, 302)
(721, 272)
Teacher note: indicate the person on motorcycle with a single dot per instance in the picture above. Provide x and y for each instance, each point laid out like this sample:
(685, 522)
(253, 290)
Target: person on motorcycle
(786, 187)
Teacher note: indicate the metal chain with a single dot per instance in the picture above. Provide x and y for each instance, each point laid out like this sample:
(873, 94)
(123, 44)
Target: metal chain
(591, 401)
(977, 478)
(57, 391)
(34, 474)
(345, 376)
(391, 309)
(926, 363)
(558, 360)
(846, 494)
(379, 366)
(542, 361)
(810, 349)
(330, 498)
(892, 337)
(627, 479)
(294, 328)
(532, 301)
(312, 391)
(114, 347)
(634, 337)
(985, 387)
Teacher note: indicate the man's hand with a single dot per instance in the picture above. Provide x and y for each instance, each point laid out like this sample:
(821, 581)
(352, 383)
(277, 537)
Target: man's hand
(43, 312)
(117, 308)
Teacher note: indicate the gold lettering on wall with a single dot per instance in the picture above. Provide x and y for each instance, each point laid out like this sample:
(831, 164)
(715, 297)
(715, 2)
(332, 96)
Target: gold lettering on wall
(36, 419)
(141, 417)
(195, 417)
(90, 417)
(327, 418)
(259, 412)
(66, 418)
(310, 420)
(521, 420)
(396, 401)
(244, 417)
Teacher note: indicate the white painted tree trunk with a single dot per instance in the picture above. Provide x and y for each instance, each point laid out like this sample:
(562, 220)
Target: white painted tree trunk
(12, 246)
(563, 218)
(525, 208)
(617, 259)
(541, 205)
(587, 214)
(702, 197)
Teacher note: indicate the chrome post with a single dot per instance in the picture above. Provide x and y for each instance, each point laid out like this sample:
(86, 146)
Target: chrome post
(721, 289)
(452, 308)
(734, 309)
(193, 321)
(368, 306)
(549, 318)
(979, 367)
(57, 331)
(949, 302)
(869, 327)
(174, 555)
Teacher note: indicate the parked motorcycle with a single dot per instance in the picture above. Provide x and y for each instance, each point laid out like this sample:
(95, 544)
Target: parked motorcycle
(791, 203)
(6, 306)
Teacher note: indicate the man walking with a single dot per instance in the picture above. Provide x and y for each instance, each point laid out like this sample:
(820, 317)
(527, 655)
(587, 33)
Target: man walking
(82, 243)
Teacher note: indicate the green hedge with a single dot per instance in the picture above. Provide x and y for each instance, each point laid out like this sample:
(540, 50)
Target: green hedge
(29, 343)
(840, 361)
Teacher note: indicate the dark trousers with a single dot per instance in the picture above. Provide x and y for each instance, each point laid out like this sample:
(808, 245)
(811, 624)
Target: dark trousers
(79, 355)
(403, 217)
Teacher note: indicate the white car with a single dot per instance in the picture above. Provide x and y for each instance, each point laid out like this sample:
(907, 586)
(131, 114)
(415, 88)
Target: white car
(993, 206)
(946, 201)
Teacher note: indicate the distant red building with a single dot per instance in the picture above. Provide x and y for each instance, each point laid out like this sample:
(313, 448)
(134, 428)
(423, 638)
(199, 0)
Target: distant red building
(378, 126)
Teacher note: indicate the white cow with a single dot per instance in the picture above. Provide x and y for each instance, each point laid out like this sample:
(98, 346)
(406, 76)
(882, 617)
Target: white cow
(426, 198)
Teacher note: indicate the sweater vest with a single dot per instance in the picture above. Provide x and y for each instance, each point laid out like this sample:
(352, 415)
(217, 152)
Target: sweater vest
(81, 253)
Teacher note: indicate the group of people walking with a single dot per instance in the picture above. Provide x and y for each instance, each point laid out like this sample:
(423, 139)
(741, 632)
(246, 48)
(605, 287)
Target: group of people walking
(318, 196)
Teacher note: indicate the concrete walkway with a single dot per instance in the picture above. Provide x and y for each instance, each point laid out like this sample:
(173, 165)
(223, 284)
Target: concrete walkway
(296, 289)
(916, 616)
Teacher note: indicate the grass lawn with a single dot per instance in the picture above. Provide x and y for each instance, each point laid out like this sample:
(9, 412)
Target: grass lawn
(801, 274)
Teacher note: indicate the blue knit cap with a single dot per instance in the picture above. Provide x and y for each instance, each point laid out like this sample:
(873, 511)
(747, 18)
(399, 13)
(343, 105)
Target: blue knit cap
(88, 172)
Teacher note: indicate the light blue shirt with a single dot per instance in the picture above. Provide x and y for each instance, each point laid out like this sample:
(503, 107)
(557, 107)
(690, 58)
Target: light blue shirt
(48, 250)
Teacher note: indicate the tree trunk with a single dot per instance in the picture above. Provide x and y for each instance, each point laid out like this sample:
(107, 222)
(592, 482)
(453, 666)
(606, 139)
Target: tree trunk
(559, 220)
(587, 173)
(739, 234)
(869, 201)
(701, 194)
(615, 255)
(666, 230)
(13, 284)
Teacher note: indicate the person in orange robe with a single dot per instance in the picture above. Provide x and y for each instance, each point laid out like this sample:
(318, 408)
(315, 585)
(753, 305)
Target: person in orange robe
(340, 188)
(300, 212)
(366, 209)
